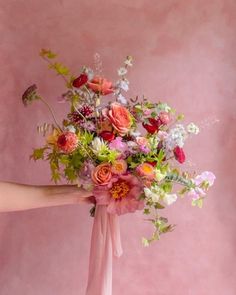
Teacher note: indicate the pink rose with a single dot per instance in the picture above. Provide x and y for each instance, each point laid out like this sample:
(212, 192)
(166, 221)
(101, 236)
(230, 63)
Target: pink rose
(120, 118)
(164, 117)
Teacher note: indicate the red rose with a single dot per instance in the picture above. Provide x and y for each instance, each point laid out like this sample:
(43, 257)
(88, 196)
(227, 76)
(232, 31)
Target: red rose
(80, 81)
(179, 154)
(107, 135)
(153, 126)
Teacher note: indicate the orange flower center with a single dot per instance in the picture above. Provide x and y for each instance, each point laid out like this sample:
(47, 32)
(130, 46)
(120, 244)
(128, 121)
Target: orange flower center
(119, 189)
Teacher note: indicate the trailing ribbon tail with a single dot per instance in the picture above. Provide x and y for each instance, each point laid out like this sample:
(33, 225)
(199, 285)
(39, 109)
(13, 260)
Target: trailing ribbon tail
(105, 243)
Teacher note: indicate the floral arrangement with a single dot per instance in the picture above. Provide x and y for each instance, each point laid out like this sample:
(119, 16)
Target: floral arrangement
(127, 152)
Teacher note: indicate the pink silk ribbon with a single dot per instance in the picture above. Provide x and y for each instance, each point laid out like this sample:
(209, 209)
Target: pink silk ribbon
(105, 243)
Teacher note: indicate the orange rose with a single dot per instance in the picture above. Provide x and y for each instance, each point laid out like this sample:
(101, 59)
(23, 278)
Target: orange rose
(120, 118)
(100, 85)
(101, 175)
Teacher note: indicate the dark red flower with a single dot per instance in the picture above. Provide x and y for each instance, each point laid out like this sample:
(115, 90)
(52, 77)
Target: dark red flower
(107, 135)
(153, 126)
(80, 81)
(179, 154)
(152, 163)
(67, 142)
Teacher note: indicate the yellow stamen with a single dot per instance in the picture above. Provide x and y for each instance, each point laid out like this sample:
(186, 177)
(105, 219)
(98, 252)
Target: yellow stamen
(119, 189)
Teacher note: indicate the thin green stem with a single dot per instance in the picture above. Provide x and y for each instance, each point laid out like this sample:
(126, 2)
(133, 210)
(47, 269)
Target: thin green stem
(51, 111)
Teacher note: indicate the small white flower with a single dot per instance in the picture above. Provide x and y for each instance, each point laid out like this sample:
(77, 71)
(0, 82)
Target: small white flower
(159, 176)
(123, 84)
(150, 194)
(122, 71)
(192, 128)
(89, 72)
(135, 133)
(98, 145)
(128, 61)
(71, 128)
(169, 199)
(163, 107)
(121, 99)
(176, 137)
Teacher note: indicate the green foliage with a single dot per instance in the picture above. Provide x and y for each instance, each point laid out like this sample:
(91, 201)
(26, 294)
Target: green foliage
(86, 137)
(59, 68)
(70, 173)
(146, 211)
(47, 53)
(38, 154)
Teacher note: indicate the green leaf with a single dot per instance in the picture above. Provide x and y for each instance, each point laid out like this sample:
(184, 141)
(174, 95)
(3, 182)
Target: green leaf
(60, 69)
(146, 211)
(47, 53)
(70, 173)
(76, 160)
(38, 154)
(64, 159)
(56, 176)
(198, 203)
(158, 206)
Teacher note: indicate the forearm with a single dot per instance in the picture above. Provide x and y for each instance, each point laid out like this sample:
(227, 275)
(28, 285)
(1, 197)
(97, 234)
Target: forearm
(14, 197)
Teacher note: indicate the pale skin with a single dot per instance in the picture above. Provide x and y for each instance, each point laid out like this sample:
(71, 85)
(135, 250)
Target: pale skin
(16, 197)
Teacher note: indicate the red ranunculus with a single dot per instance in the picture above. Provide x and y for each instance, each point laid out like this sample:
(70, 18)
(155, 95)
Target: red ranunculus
(153, 126)
(179, 154)
(107, 135)
(80, 81)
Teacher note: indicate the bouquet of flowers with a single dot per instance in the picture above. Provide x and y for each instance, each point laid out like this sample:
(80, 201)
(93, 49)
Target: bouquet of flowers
(127, 152)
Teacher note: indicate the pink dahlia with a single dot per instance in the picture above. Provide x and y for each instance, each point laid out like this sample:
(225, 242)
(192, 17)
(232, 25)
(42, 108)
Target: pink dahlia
(67, 142)
(121, 195)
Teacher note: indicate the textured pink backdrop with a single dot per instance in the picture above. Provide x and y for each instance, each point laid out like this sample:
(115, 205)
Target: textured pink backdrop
(185, 53)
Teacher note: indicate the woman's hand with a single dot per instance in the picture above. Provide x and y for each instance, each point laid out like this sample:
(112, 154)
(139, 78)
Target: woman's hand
(15, 197)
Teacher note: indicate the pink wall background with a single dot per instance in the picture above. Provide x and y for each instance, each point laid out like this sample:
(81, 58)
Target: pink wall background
(185, 53)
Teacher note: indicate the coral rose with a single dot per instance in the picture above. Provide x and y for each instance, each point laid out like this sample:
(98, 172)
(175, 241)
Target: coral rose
(101, 86)
(101, 175)
(120, 118)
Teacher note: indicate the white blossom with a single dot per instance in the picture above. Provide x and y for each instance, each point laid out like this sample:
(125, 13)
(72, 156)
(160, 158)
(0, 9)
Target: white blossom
(128, 61)
(121, 99)
(71, 128)
(122, 71)
(89, 72)
(151, 194)
(98, 145)
(163, 107)
(123, 84)
(169, 199)
(192, 128)
(176, 137)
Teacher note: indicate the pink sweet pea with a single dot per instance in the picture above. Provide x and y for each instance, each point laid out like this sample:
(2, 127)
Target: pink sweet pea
(205, 176)
(121, 195)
